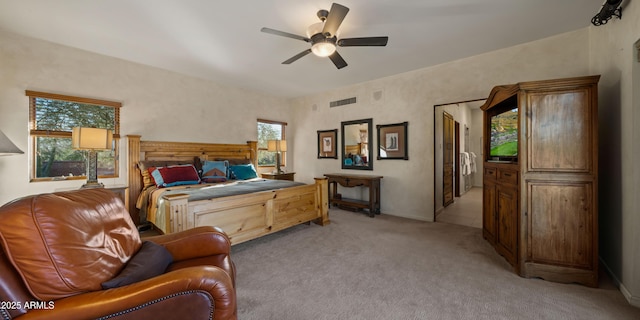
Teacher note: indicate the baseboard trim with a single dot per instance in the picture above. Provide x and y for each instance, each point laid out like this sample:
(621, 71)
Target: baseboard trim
(439, 211)
(613, 277)
(633, 300)
(408, 216)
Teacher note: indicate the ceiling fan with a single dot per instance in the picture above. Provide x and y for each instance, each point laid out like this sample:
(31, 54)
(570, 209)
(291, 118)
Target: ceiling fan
(323, 37)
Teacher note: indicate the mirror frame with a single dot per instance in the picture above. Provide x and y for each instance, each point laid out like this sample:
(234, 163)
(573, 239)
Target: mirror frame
(369, 123)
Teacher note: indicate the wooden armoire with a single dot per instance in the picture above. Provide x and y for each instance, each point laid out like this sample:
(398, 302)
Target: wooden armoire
(540, 205)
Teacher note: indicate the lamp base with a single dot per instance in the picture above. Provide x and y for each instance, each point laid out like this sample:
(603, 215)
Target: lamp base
(278, 169)
(91, 184)
(92, 171)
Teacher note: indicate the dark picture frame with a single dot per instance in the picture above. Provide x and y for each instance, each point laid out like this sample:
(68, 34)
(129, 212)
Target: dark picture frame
(393, 141)
(327, 142)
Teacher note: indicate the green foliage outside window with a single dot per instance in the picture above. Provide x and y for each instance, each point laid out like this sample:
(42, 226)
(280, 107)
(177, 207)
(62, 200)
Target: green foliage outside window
(58, 115)
(268, 131)
(53, 121)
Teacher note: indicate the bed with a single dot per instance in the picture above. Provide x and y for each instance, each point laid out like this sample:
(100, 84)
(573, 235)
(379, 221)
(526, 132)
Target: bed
(243, 216)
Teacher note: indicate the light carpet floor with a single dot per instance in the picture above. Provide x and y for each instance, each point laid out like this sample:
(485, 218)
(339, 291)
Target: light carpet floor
(394, 268)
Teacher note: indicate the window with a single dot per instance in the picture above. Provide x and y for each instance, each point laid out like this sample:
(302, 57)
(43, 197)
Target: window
(52, 117)
(269, 130)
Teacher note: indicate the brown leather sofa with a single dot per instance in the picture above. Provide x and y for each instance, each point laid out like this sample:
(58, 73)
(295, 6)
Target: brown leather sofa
(59, 249)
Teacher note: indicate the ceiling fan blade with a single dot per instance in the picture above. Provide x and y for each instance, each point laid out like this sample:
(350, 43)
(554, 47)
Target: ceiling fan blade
(297, 56)
(363, 42)
(337, 60)
(334, 19)
(284, 34)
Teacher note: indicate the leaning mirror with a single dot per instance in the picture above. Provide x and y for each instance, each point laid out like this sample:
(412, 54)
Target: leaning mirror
(356, 137)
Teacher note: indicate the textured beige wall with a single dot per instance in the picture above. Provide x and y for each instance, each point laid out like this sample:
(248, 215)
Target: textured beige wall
(157, 104)
(613, 55)
(408, 186)
(167, 106)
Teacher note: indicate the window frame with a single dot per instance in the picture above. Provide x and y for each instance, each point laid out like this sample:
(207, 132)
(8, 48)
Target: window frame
(283, 126)
(35, 133)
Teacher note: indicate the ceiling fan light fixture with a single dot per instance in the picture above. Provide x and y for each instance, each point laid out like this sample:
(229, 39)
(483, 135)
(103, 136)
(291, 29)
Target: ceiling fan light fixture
(323, 37)
(323, 48)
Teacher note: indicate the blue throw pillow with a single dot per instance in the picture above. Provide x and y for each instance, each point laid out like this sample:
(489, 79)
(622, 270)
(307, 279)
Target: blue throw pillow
(215, 171)
(151, 260)
(243, 171)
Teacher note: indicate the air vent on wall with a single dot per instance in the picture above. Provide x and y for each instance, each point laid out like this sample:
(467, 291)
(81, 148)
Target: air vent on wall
(342, 102)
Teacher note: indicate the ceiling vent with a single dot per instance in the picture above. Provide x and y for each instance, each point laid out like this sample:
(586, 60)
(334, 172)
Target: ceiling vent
(342, 102)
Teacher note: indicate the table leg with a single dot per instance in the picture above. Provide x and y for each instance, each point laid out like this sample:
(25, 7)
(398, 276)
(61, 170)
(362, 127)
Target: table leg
(372, 199)
(376, 191)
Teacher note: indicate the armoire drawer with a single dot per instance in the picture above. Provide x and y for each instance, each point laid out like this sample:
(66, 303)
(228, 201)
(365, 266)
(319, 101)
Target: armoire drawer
(491, 173)
(508, 176)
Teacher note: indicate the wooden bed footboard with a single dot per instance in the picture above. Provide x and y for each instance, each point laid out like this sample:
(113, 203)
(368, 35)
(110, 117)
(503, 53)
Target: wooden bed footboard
(250, 216)
(242, 217)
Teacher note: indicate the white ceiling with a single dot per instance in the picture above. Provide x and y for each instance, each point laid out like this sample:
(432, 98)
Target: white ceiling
(221, 40)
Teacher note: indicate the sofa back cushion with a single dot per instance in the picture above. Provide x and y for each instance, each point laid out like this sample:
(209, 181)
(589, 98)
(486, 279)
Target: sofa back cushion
(67, 243)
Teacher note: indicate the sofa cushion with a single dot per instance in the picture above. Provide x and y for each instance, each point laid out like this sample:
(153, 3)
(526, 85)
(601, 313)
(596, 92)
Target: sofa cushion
(151, 260)
(76, 240)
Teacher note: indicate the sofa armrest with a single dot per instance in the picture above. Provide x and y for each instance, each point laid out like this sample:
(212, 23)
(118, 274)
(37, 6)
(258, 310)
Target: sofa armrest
(194, 243)
(157, 293)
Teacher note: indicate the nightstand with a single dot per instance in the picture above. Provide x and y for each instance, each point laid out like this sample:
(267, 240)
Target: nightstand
(121, 191)
(278, 176)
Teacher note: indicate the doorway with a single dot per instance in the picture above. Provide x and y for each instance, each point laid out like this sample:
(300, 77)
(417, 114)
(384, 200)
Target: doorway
(458, 140)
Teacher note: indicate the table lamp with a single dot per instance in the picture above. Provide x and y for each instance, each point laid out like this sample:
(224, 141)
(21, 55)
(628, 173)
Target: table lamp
(92, 140)
(277, 146)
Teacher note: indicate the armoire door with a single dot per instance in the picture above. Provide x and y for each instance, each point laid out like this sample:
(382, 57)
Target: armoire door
(562, 184)
(507, 228)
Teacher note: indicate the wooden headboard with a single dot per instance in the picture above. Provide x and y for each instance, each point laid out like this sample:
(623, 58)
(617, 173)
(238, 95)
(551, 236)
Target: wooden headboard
(177, 151)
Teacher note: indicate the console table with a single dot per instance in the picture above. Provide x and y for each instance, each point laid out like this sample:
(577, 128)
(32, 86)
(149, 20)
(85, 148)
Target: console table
(355, 180)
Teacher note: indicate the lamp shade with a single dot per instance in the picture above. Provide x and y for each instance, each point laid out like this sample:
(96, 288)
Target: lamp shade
(276, 145)
(91, 138)
(7, 147)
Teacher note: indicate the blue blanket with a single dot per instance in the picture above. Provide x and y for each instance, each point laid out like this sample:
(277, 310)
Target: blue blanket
(232, 189)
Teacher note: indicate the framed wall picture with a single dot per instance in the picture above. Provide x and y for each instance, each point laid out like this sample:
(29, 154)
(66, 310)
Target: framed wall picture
(392, 141)
(327, 140)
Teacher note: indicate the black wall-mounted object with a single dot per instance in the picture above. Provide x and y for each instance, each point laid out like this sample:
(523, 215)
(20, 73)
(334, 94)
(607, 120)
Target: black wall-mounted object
(609, 9)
